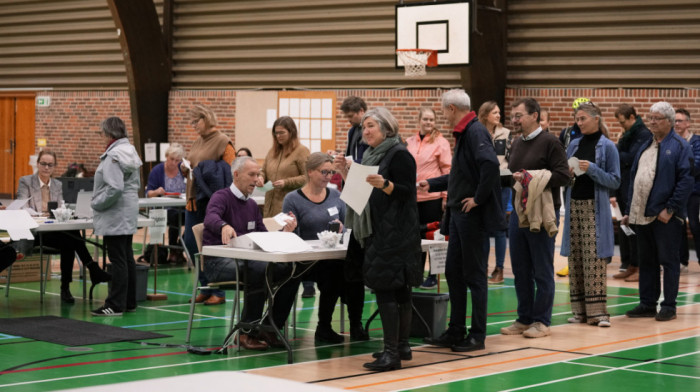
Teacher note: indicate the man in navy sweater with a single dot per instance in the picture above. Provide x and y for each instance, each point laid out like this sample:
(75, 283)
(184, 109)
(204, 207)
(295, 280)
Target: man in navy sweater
(230, 213)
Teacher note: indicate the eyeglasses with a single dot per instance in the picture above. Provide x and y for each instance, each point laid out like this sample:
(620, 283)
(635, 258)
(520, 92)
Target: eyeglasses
(517, 116)
(655, 119)
(328, 172)
(680, 121)
(46, 164)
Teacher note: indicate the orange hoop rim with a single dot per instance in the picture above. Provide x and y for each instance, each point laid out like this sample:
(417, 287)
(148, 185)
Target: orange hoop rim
(432, 57)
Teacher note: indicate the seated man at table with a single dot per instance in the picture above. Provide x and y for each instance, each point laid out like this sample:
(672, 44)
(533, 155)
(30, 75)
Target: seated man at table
(231, 212)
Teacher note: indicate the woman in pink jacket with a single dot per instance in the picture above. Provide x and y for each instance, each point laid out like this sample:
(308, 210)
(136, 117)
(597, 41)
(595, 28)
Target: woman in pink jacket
(433, 157)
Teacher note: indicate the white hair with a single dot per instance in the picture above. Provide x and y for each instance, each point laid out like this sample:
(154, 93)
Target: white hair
(239, 162)
(457, 97)
(664, 108)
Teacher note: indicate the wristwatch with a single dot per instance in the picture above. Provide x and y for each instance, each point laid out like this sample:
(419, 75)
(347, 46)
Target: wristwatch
(670, 211)
(386, 184)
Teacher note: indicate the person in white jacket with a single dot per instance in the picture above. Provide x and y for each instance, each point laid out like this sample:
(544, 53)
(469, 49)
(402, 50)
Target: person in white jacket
(115, 202)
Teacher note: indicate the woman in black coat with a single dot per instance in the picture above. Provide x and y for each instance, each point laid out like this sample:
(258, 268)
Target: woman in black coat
(385, 241)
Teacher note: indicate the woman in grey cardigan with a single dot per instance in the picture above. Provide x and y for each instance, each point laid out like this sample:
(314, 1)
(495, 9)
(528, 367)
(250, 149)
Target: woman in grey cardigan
(115, 201)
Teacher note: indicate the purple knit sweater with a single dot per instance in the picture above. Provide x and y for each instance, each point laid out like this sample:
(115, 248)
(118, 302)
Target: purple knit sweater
(225, 207)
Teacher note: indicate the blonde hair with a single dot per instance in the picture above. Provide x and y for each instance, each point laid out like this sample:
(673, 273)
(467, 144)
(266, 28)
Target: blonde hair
(175, 148)
(200, 111)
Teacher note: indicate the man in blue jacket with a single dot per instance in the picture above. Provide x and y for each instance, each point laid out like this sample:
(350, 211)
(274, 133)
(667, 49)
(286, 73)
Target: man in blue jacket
(661, 183)
(474, 208)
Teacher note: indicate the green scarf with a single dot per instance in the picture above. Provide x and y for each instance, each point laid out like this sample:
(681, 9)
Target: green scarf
(361, 224)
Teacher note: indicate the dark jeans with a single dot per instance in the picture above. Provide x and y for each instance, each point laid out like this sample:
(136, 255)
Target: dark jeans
(192, 218)
(220, 269)
(499, 236)
(69, 243)
(653, 244)
(628, 245)
(175, 217)
(694, 221)
(122, 292)
(330, 278)
(466, 268)
(532, 259)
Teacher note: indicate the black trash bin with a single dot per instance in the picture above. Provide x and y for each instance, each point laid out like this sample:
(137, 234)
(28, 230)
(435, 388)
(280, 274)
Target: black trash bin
(432, 308)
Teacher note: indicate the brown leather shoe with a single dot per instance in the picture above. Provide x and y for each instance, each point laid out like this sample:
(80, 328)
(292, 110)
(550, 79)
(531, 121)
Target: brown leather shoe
(631, 270)
(215, 300)
(271, 339)
(250, 343)
(496, 276)
(633, 278)
(200, 298)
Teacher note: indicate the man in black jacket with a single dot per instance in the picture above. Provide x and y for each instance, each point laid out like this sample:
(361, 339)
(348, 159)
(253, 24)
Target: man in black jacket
(353, 109)
(474, 207)
(635, 136)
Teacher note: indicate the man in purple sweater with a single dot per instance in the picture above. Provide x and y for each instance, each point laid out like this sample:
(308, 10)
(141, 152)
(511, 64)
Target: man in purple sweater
(231, 212)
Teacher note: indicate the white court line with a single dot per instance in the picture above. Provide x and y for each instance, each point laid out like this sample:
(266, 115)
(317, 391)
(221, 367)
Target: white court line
(634, 370)
(598, 373)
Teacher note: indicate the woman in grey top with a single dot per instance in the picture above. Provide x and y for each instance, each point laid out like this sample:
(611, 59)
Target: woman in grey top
(318, 208)
(115, 201)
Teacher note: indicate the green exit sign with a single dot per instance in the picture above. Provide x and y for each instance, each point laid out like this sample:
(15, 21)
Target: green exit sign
(43, 101)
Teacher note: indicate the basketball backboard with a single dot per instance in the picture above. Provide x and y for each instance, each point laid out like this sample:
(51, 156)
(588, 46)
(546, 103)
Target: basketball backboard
(444, 26)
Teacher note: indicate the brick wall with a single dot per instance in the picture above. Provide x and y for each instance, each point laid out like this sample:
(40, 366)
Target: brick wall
(71, 123)
(558, 102)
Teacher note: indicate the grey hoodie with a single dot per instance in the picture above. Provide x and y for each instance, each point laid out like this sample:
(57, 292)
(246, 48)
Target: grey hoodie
(115, 197)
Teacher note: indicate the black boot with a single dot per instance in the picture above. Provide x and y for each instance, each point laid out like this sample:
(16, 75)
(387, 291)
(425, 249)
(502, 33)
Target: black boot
(66, 296)
(389, 358)
(97, 274)
(404, 348)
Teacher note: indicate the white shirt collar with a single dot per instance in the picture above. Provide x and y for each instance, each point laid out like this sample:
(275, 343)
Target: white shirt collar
(42, 183)
(238, 193)
(533, 134)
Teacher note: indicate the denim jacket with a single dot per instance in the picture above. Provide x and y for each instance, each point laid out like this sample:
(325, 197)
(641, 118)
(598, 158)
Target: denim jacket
(673, 181)
(605, 173)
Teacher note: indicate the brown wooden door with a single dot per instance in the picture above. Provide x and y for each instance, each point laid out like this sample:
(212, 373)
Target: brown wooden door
(17, 119)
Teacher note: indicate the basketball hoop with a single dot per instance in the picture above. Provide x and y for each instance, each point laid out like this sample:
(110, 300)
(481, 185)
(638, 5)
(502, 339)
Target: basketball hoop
(415, 60)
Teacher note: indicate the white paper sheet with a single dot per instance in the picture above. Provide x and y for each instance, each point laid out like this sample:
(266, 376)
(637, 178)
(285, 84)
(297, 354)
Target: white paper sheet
(315, 108)
(18, 204)
(157, 231)
(327, 129)
(574, 163)
(315, 129)
(149, 152)
(282, 218)
(304, 129)
(284, 107)
(438, 260)
(327, 108)
(356, 191)
(271, 115)
(616, 213)
(266, 187)
(278, 241)
(163, 148)
(305, 108)
(626, 229)
(17, 223)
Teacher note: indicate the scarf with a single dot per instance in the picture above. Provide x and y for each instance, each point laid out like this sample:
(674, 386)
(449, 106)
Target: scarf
(361, 224)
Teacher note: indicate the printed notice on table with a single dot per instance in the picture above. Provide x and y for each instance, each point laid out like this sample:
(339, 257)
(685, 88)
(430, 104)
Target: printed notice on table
(438, 259)
(357, 190)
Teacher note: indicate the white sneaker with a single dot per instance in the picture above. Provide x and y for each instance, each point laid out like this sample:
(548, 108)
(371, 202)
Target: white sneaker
(576, 320)
(604, 323)
(684, 269)
(516, 328)
(537, 330)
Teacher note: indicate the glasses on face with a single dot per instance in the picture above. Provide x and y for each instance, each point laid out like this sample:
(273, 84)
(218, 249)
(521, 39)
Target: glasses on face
(517, 117)
(655, 119)
(327, 172)
(46, 164)
(680, 121)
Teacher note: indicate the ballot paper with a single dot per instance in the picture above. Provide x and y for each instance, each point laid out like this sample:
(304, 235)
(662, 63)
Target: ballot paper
(18, 204)
(17, 223)
(357, 190)
(266, 187)
(271, 241)
(282, 218)
(574, 163)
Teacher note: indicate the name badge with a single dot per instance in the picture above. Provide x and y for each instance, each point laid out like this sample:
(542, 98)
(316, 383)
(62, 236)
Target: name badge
(333, 211)
(251, 225)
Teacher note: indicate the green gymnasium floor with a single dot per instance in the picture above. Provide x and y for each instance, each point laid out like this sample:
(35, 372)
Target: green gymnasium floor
(29, 365)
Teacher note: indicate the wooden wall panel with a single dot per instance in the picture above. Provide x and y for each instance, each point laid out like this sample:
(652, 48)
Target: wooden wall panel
(601, 43)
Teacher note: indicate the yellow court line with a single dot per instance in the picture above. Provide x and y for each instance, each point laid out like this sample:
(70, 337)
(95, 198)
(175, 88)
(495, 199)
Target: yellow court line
(519, 359)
